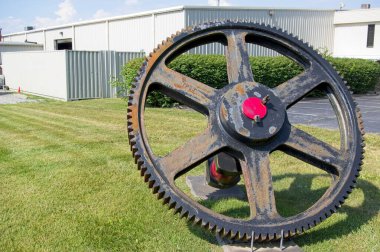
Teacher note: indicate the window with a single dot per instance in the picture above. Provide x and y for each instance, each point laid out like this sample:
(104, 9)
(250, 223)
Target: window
(63, 44)
(370, 35)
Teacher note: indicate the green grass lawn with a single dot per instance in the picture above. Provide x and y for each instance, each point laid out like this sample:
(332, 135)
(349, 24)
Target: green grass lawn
(68, 182)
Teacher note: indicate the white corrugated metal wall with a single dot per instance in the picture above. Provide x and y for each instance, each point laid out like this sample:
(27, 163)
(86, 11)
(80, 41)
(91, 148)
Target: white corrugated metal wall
(133, 34)
(91, 37)
(167, 24)
(66, 75)
(143, 31)
(313, 26)
(36, 37)
(89, 73)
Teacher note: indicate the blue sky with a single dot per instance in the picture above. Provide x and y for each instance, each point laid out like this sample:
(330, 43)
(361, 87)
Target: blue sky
(16, 14)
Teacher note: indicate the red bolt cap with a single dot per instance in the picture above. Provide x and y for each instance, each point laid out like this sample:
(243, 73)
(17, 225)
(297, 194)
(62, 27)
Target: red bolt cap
(252, 107)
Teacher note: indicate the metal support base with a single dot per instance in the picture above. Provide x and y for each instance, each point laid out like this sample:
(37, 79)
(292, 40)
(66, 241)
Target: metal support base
(200, 189)
(276, 246)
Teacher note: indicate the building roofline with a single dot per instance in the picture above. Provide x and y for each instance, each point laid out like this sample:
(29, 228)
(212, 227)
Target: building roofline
(356, 16)
(250, 8)
(159, 11)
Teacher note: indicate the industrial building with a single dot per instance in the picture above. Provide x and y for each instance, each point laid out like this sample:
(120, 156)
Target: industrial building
(143, 31)
(357, 34)
(351, 33)
(344, 33)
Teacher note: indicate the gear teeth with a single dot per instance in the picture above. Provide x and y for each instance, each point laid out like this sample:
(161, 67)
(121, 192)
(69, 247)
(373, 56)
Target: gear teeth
(185, 214)
(271, 236)
(151, 178)
(178, 210)
(160, 194)
(151, 183)
(218, 230)
(140, 162)
(134, 150)
(142, 171)
(212, 228)
(264, 237)
(234, 235)
(155, 189)
(197, 221)
(205, 225)
(165, 200)
(137, 157)
(242, 236)
(327, 214)
(222, 233)
(171, 204)
(146, 177)
(191, 218)
(228, 235)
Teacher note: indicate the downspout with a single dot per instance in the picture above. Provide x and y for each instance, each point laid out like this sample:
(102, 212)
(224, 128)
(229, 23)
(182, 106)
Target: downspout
(108, 35)
(154, 31)
(74, 44)
(44, 40)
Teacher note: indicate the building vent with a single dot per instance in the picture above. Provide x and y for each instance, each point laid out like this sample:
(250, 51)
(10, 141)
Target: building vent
(28, 28)
(366, 6)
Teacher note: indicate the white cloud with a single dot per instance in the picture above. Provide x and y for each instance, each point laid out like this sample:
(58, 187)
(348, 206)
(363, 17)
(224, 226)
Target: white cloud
(215, 3)
(11, 24)
(101, 14)
(66, 13)
(131, 2)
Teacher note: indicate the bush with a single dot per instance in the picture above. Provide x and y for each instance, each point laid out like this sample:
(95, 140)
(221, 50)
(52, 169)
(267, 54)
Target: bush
(362, 75)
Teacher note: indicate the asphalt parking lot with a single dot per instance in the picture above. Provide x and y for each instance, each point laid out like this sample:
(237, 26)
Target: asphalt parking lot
(318, 112)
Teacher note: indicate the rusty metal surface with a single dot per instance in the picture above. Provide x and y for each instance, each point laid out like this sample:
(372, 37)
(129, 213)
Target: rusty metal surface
(250, 143)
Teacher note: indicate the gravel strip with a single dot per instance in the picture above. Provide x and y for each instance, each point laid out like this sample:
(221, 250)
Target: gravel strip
(7, 97)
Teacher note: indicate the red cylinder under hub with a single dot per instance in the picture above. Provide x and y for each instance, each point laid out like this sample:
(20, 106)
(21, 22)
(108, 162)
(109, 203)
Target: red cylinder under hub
(253, 107)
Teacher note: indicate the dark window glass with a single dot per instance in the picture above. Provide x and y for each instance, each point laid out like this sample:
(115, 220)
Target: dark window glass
(63, 44)
(370, 35)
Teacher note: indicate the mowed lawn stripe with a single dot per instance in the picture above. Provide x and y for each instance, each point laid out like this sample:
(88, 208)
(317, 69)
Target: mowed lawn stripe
(68, 182)
(74, 186)
(79, 119)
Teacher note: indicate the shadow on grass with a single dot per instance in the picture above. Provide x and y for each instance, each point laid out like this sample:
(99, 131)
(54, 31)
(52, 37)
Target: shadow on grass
(355, 216)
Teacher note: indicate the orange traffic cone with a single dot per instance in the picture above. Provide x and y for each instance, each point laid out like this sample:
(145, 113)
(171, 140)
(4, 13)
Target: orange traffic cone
(18, 90)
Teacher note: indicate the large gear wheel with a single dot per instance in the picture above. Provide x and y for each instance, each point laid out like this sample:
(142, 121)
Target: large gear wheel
(234, 132)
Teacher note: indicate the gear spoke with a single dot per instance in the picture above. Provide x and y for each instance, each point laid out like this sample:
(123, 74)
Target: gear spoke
(296, 88)
(238, 66)
(190, 154)
(183, 88)
(258, 183)
(314, 151)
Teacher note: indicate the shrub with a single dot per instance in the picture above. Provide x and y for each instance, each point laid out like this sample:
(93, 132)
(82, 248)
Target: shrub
(128, 73)
(362, 75)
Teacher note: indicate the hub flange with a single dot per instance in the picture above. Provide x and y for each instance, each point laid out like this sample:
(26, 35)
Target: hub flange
(237, 112)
